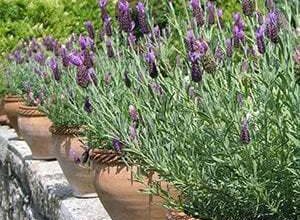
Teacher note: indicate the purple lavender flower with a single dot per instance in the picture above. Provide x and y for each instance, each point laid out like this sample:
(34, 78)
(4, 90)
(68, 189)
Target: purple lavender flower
(220, 17)
(134, 115)
(211, 12)
(85, 42)
(88, 105)
(132, 132)
(88, 59)
(109, 48)
(272, 27)
(151, 60)
(229, 47)
(238, 21)
(245, 133)
(219, 53)
(76, 59)
(200, 47)
(54, 68)
(156, 32)
(102, 6)
(102, 3)
(248, 7)
(196, 71)
(117, 144)
(107, 26)
(93, 76)
(190, 40)
(197, 12)
(124, 16)
(65, 58)
(90, 29)
(260, 42)
(142, 18)
(238, 36)
(40, 58)
(82, 77)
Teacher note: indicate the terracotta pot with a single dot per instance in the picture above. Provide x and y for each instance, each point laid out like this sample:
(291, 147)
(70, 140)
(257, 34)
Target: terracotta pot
(3, 117)
(175, 215)
(68, 150)
(34, 128)
(122, 197)
(11, 108)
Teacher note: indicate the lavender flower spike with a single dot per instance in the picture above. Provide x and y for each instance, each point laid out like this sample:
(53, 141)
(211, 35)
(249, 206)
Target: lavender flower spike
(260, 42)
(87, 105)
(196, 70)
(142, 18)
(151, 60)
(134, 115)
(245, 133)
(211, 12)
(90, 29)
(124, 16)
(197, 12)
(248, 7)
(54, 68)
(75, 59)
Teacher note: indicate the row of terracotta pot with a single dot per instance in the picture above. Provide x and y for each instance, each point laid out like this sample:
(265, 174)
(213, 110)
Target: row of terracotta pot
(112, 180)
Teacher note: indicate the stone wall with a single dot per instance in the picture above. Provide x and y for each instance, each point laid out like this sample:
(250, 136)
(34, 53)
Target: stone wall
(37, 190)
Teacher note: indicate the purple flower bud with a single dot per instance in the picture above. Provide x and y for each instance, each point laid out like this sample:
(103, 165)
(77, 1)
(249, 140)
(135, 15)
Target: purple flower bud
(211, 11)
(102, 3)
(229, 47)
(87, 105)
(201, 47)
(117, 144)
(238, 36)
(142, 18)
(40, 58)
(88, 59)
(76, 59)
(151, 60)
(260, 42)
(109, 48)
(245, 133)
(259, 17)
(90, 29)
(54, 68)
(272, 27)
(238, 21)
(134, 115)
(219, 53)
(82, 77)
(85, 42)
(65, 58)
(107, 26)
(190, 41)
(197, 12)
(156, 32)
(220, 17)
(124, 16)
(93, 76)
(248, 7)
(132, 132)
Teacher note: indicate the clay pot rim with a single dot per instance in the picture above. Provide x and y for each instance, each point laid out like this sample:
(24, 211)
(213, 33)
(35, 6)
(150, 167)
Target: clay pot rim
(13, 98)
(67, 130)
(178, 215)
(30, 111)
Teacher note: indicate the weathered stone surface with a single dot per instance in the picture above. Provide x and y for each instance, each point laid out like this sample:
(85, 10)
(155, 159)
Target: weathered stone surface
(37, 190)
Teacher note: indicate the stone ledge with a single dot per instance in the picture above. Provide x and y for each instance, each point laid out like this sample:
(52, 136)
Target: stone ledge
(38, 190)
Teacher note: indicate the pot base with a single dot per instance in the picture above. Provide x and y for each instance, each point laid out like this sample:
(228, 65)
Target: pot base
(85, 196)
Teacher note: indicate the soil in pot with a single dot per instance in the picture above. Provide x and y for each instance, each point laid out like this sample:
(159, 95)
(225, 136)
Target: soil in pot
(34, 128)
(11, 108)
(68, 150)
(121, 196)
